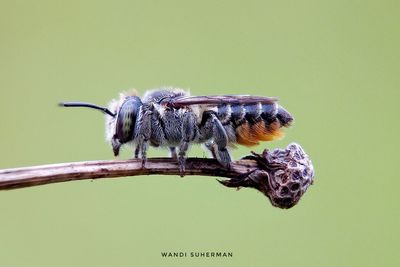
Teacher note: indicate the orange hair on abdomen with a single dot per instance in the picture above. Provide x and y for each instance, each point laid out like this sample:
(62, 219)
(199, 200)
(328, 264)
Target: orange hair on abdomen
(250, 135)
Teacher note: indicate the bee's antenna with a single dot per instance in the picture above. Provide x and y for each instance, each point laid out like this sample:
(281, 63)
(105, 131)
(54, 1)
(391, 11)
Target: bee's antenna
(87, 105)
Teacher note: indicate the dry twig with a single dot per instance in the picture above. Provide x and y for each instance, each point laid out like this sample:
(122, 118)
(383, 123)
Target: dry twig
(282, 175)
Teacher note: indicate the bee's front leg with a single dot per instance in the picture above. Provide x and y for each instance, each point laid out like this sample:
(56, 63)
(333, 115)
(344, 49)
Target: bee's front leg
(144, 152)
(143, 130)
(182, 157)
(116, 145)
(188, 134)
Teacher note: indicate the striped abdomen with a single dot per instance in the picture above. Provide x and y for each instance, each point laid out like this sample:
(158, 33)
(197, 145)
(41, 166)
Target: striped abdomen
(255, 122)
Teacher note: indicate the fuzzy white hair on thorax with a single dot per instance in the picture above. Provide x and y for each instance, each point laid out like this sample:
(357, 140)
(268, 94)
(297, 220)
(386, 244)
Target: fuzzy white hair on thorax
(149, 95)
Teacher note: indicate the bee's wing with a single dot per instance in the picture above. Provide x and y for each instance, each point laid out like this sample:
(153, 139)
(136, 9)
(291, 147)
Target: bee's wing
(218, 100)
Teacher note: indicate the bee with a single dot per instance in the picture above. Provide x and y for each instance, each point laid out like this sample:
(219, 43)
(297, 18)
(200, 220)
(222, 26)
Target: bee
(171, 118)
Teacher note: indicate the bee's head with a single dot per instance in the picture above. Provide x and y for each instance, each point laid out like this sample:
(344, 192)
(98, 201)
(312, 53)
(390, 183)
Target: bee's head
(120, 119)
(120, 129)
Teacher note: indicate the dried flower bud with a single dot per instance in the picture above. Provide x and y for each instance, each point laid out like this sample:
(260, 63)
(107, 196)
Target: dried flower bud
(288, 182)
(283, 175)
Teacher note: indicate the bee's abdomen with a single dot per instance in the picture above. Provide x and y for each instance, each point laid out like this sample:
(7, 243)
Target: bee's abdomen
(255, 122)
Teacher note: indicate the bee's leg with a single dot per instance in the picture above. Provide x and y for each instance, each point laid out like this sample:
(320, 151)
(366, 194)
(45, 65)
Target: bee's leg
(137, 150)
(172, 151)
(144, 152)
(143, 134)
(116, 145)
(220, 143)
(211, 147)
(188, 134)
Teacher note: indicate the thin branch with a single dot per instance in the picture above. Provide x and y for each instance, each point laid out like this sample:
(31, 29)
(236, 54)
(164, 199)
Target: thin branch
(56, 173)
(283, 175)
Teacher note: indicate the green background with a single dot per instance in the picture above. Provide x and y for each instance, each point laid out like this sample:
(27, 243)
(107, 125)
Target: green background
(333, 64)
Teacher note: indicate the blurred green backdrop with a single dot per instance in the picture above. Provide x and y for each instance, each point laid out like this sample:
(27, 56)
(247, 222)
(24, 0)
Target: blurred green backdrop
(333, 64)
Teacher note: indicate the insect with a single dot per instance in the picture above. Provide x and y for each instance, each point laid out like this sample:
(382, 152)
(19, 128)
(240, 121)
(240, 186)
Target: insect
(170, 117)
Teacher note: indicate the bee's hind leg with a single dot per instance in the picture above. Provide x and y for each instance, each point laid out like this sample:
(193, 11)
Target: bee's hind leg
(211, 147)
(222, 155)
(220, 142)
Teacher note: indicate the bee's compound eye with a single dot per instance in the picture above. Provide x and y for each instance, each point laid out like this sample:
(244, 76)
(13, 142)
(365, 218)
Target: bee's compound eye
(126, 119)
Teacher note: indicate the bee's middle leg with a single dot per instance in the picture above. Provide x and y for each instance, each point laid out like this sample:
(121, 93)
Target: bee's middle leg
(137, 151)
(172, 151)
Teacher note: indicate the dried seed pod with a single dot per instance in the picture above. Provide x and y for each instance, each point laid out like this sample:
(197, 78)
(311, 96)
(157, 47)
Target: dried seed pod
(283, 175)
(288, 182)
